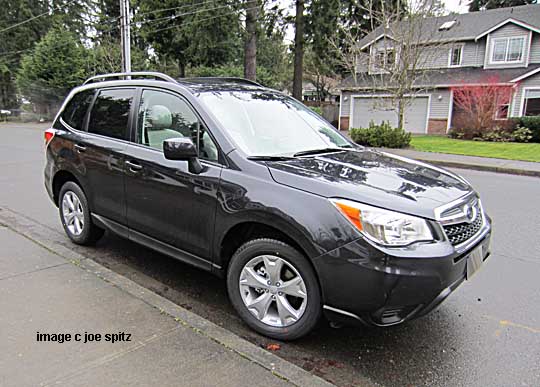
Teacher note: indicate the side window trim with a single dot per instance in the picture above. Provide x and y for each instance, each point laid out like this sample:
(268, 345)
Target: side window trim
(134, 122)
(221, 161)
(87, 115)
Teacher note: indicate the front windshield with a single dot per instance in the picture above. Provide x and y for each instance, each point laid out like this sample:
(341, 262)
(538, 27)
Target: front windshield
(264, 123)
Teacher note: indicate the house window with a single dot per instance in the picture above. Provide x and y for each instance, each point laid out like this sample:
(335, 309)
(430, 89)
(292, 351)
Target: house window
(531, 105)
(380, 60)
(384, 59)
(503, 105)
(456, 56)
(502, 111)
(508, 50)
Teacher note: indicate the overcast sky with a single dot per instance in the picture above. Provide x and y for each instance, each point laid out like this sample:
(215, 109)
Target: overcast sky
(459, 6)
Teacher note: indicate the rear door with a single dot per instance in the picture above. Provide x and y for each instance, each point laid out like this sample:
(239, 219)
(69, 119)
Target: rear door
(164, 200)
(103, 147)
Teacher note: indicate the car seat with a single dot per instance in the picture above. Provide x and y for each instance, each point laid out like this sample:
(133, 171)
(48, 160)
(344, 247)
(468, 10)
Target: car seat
(157, 126)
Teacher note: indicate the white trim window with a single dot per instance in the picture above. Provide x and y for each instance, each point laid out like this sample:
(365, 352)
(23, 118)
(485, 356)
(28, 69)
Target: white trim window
(383, 59)
(455, 56)
(508, 50)
(531, 102)
(503, 109)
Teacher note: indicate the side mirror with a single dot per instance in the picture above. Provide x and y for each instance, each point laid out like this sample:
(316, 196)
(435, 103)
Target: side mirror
(183, 149)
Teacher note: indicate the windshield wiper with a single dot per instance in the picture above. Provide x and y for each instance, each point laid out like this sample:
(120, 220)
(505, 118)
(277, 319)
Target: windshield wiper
(317, 151)
(270, 158)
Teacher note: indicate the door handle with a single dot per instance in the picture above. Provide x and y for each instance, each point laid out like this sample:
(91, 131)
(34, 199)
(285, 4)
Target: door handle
(133, 166)
(80, 148)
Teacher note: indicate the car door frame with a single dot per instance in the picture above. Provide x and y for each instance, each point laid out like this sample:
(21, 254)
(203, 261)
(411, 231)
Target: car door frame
(84, 135)
(166, 248)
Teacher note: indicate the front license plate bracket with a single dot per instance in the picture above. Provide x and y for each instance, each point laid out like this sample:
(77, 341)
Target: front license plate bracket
(475, 261)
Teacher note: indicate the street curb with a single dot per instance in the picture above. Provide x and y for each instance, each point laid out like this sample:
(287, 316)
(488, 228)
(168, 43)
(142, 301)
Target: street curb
(283, 369)
(480, 167)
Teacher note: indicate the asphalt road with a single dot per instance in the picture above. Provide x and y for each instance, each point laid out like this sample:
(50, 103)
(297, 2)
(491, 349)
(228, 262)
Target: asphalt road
(486, 334)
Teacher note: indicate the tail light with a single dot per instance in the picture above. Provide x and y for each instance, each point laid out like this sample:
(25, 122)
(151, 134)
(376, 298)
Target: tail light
(49, 134)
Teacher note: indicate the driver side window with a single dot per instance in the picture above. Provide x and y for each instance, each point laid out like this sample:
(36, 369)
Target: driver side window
(163, 116)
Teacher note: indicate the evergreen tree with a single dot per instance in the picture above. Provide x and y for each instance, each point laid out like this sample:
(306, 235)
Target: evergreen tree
(16, 41)
(57, 64)
(199, 33)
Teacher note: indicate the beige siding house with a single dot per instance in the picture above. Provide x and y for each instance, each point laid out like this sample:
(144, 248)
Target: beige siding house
(496, 46)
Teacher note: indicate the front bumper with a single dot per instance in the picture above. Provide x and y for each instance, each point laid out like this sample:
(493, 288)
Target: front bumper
(379, 286)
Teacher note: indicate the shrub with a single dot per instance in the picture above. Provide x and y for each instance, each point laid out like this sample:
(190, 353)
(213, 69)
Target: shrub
(497, 134)
(383, 135)
(522, 134)
(317, 110)
(531, 123)
(463, 133)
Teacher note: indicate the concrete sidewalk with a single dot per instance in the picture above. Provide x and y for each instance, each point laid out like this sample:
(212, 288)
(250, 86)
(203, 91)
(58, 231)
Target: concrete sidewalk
(514, 167)
(49, 289)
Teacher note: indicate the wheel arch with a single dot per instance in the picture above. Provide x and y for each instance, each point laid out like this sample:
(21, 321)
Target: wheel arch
(60, 178)
(241, 232)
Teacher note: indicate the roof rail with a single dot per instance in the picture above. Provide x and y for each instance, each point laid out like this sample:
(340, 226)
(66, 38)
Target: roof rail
(152, 74)
(226, 79)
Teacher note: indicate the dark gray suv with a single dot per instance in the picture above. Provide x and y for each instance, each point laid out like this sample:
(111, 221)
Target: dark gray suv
(249, 184)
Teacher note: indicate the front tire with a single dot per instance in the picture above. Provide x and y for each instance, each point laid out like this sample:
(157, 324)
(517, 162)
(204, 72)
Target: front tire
(75, 215)
(274, 289)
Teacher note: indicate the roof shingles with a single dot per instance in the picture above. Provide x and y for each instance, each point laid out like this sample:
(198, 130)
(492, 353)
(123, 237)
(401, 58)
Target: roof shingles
(469, 25)
(443, 77)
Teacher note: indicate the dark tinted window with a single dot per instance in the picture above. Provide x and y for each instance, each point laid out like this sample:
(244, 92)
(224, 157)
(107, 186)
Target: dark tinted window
(75, 110)
(109, 116)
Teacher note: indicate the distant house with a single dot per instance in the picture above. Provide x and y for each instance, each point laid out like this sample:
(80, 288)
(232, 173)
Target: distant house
(310, 92)
(501, 44)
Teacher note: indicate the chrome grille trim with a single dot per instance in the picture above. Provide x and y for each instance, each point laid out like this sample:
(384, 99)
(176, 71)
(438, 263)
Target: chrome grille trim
(463, 221)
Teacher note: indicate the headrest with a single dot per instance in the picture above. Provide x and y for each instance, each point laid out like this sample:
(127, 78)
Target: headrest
(158, 117)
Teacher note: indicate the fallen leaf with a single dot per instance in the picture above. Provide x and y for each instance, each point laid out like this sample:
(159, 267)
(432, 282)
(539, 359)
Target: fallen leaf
(273, 347)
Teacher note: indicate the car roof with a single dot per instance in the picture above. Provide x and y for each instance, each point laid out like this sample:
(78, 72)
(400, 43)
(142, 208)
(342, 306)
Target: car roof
(194, 85)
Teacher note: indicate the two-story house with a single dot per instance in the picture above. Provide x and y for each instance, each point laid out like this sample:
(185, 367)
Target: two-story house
(500, 45)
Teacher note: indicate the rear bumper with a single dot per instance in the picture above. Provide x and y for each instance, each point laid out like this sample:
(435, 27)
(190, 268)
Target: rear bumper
(48, 174)
(367, 284)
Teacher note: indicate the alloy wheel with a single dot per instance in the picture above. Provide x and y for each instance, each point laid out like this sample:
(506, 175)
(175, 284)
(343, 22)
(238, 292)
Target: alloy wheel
(273, 290)
(72, 213)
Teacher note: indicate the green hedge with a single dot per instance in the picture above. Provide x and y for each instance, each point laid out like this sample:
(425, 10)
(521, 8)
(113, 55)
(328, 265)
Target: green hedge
(317, 110)
(532, 123)
(383, 135)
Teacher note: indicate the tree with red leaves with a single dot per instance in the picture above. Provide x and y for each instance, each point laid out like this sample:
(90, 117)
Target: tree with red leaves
(479, 105)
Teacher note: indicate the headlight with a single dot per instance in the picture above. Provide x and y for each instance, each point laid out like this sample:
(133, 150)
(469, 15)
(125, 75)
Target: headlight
(385, 227)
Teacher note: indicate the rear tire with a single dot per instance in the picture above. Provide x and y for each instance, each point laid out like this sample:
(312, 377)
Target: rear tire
(280, 287)
(75, 215)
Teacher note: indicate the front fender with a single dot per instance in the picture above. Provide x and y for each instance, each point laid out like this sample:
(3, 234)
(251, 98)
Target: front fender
(310, 220)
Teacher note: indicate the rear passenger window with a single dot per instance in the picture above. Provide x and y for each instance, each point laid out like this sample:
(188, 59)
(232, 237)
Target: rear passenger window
(75, 111)
(110, 113)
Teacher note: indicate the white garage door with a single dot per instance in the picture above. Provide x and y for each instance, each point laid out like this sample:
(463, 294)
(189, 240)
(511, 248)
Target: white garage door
(366, 109)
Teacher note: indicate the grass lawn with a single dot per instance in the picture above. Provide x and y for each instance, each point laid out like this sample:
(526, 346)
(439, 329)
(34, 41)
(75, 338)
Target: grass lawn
(500, 150)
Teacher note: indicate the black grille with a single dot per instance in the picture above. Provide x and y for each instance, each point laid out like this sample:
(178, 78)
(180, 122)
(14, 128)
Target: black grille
(461, 232)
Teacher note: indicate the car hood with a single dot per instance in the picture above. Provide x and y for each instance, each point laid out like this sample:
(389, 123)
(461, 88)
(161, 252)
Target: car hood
(372, 177)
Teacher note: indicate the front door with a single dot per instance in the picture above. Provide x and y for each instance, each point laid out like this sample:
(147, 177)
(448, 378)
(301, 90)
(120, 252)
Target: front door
(164, 200)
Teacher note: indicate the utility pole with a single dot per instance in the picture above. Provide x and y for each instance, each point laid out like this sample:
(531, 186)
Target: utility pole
(125, 39)
(298, 73)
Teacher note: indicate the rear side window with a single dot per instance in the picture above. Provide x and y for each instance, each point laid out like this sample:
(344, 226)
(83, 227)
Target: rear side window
(75, 110)
(110, 113)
